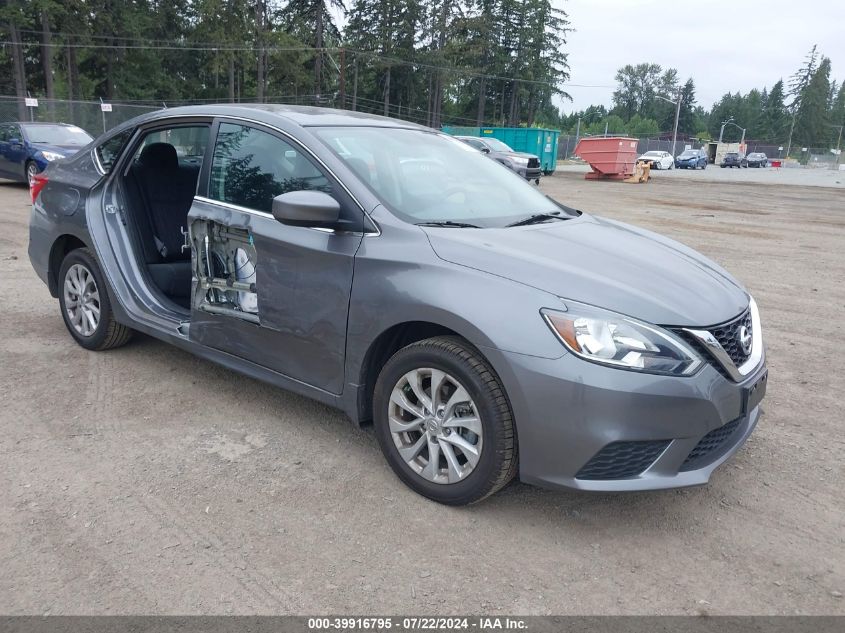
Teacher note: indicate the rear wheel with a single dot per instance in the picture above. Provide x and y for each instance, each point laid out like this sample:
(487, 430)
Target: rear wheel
(444, 423)
(85, 305)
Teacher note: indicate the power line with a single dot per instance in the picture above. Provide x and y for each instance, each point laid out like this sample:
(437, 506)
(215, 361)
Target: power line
(168, 45)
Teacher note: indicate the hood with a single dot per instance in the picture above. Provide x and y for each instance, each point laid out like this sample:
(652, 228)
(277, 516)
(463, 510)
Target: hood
(65, 150)
(603, 263)
(521, 154)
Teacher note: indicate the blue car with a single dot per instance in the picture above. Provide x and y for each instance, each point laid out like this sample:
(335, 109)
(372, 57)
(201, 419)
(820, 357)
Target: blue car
(27, 148)
(691, 159)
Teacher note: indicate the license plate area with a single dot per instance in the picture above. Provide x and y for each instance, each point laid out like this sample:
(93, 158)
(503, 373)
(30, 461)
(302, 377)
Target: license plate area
(753, 395)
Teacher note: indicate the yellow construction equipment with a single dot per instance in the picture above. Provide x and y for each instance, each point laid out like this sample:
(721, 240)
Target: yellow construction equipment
(641, 172)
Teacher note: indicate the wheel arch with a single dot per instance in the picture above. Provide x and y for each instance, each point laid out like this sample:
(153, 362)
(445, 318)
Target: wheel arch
(382, 347)
(62, 245)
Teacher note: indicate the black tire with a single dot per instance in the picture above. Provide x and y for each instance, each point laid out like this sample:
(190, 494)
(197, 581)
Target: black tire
(498, 460)
(108, 334)
(30, 169)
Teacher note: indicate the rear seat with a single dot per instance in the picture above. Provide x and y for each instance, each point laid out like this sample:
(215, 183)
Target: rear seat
(162, 191)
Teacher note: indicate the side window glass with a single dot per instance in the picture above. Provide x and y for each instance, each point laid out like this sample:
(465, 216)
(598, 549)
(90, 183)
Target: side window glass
(251, 167)
(4, 133)
(188, 141)
(108, 151)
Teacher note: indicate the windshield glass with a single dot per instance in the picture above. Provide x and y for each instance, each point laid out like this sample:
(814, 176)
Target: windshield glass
(56, 134)
(689, 154)
(425, 177)
(497, 146)
(653, 154)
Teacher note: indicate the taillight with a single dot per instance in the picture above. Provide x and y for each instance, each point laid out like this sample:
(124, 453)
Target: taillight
(38, 182)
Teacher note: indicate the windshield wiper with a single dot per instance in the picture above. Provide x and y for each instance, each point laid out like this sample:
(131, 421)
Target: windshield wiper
(537, 218)
(455, 225)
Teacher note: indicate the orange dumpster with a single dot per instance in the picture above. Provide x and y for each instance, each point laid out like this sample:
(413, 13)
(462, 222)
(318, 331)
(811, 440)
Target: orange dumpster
(610, 157)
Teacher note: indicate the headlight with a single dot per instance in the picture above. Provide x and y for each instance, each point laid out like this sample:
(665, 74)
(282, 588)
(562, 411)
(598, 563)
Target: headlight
(613, 339)
(523, 162)
(51, 156)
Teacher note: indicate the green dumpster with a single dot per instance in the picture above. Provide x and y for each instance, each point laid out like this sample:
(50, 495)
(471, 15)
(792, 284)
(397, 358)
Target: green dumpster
(541, 142)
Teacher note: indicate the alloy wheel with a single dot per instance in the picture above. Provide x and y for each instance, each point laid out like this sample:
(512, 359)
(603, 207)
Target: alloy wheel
(31, 171)
(435, 425)
(82, 300)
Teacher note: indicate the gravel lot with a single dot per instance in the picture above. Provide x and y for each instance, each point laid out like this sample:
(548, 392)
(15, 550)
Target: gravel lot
(144, 480)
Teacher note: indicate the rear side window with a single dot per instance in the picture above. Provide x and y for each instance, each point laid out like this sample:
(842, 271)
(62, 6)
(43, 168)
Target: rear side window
(251, 167)
(108, 151)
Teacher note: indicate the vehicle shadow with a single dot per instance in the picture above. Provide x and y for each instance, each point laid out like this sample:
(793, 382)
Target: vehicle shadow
(586, 514)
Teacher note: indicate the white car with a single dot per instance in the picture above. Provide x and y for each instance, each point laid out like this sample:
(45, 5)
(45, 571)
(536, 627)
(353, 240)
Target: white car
(658, 160)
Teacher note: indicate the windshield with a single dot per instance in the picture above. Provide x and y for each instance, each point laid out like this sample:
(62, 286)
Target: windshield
(653, 154)
(497, 146)
(56, 134)
(428, 177)
(689, 154)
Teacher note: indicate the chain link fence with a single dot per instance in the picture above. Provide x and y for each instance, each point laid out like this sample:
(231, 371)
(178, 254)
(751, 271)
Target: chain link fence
(89, 115)
(86, 114)
(811, 157)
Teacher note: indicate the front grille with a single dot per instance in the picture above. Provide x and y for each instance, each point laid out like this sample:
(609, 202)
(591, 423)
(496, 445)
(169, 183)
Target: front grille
(703, 352)
(710, 445)
(533, 163)
(621, 460)
(728, 337)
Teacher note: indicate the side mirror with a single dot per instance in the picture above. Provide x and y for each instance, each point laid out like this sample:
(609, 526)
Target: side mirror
(485, 150)
(306, 208)
(14, 141)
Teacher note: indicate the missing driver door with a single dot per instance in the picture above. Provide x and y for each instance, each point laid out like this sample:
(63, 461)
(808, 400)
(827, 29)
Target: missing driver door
(269, 293)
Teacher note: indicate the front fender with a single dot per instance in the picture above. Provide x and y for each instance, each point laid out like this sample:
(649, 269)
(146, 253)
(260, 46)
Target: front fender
(398, 279)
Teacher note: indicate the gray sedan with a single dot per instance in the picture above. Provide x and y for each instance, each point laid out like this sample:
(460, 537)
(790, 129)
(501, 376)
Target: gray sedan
(399, 275)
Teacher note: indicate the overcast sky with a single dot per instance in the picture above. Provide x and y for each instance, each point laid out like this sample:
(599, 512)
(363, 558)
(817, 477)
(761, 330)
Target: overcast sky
(724, 46)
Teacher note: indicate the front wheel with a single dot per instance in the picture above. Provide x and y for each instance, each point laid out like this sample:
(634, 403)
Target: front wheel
(444, 423)
(85, 305)
(31, 171)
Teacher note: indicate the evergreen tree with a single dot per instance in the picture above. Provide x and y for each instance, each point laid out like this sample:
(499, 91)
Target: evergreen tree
(811, 118)
(775, 118)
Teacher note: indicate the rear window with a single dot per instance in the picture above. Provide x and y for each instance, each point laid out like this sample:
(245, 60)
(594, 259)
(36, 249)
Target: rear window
(108, 151)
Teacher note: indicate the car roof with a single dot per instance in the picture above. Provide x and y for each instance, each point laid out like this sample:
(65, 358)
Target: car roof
(302, 115)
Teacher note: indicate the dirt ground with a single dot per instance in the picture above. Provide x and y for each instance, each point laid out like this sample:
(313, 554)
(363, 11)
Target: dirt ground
(144, 480)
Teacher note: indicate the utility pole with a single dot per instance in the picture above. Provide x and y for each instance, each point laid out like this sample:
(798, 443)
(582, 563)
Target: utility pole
(355, 84)
(578, 131)
(343, 78)
(791, 130)
(677, 117)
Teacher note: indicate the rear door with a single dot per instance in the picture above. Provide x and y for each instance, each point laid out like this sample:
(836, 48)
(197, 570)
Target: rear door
(273, 294)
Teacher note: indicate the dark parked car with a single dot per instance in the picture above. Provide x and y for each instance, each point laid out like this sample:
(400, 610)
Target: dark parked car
(526, 165)
(27, 148)
(757, 159)
(691, 159)
(397, 274)
(734, 159)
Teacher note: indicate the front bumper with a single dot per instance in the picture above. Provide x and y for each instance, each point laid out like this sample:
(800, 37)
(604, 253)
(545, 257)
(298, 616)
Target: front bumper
(569, 411)
(530, 173)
